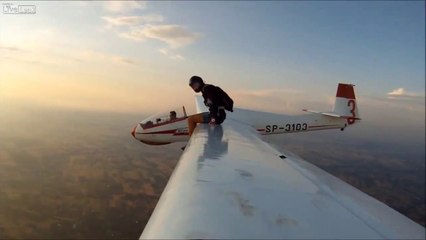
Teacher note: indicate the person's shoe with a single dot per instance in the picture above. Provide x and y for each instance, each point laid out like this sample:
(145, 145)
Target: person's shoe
(183, 148)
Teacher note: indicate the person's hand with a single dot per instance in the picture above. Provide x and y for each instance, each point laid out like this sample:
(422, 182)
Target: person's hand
(212, 121)
(208, 102)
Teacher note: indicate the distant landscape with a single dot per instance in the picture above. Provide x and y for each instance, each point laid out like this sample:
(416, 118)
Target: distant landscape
(73, 174)
(392, 174)
(77, 175)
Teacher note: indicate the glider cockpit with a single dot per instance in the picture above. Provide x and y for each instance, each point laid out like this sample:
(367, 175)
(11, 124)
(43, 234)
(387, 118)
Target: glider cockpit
(163, 128)
(160, 119)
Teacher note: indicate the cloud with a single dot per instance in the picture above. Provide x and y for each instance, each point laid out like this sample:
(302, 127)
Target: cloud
(49, 46)
(96, 56)
(125, 60)
(397, 92)
(132, 20)
(174, 36)
(402, 93)
(11, 49)
(151, 27)
(171, 54)
(27, 54)
(123, 6)
(21, 60)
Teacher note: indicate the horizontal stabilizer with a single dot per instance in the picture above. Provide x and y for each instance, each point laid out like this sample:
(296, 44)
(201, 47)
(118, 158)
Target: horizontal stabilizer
(331, 114)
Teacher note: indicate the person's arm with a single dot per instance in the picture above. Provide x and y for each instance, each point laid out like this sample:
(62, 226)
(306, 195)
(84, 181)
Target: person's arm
(210, 100)
(224, 99)
(214, 112)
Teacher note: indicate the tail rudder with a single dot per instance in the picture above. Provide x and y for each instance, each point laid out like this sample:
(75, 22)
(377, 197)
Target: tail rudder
(345, 103)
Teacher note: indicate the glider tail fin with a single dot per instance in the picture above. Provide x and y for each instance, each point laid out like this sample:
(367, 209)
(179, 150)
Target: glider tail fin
(345, 103)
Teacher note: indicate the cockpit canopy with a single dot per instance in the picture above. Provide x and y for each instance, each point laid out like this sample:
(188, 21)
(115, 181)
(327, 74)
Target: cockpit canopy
(163, 118)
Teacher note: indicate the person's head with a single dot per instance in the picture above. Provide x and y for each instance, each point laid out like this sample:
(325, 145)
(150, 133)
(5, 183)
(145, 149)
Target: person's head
(196, 83)
(172, 115)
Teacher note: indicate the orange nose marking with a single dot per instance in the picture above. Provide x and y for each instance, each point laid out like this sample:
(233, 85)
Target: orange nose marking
(133, 131)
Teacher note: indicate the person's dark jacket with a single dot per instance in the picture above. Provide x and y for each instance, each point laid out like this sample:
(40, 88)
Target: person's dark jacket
(214, 99)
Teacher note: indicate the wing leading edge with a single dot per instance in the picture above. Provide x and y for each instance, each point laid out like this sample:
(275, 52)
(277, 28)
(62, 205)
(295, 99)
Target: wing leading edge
(231, 184)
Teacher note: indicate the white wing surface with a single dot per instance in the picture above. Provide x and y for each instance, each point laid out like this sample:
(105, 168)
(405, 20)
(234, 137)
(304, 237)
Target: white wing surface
(231, 184)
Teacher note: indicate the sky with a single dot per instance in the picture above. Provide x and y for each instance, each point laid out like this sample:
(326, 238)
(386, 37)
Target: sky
(130, 56)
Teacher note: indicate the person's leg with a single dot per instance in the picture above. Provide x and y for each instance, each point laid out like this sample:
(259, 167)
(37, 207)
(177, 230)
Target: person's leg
(220, 117)
(197, 118)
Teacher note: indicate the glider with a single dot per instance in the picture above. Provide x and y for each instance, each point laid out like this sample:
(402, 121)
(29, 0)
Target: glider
(229, 183)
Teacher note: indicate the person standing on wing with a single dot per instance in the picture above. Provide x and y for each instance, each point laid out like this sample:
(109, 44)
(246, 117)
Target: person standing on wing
(214, 98)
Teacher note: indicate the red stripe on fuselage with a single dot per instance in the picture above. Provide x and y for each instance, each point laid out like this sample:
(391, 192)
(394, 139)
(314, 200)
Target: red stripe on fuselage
(169, 132)
(181, 134)
(318, 126)
(162, 132)
(154, 143)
